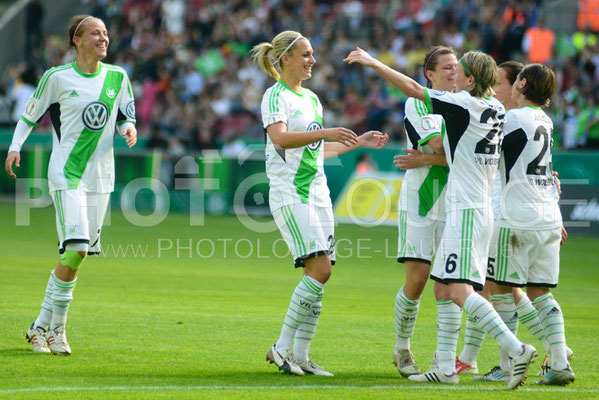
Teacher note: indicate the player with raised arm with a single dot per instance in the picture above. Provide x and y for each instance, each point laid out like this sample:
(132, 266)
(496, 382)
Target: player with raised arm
(474, 124)
(87, 99)
(530, 222)
(299, 196)
(421, 202)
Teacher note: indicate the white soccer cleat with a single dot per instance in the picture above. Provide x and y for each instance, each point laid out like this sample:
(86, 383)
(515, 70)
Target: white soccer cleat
(57, 341)
(494, 375)
(284, 360)
(37, 337)
(520, 365)
(310, 367)
(435, 376)
(554, 377)
(546, 365)
(404, 361)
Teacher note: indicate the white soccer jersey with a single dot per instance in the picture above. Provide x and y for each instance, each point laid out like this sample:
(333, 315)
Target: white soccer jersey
(84, 109)
(296, 175)
(471, 142)
(529, 199)
(422, 190)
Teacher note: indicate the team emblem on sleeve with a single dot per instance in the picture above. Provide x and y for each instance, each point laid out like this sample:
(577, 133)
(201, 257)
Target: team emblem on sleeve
(31, 107)
(95, 116)
(130, 110)
(428, 124)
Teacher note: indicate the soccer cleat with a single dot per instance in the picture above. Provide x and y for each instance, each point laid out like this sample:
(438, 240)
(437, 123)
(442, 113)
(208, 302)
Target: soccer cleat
(404, 361)
(310, 367)
(560, 377)
(546, 365)
(520, 365)
(435, 376)
(57, 341)
(284, 360)
(496, 374)
(37, 337)
(465, 369)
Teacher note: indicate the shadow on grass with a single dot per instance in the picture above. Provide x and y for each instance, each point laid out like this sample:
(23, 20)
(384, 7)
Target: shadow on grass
(19, 352)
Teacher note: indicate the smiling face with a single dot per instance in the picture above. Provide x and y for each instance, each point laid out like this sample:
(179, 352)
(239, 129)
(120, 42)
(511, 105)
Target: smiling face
(93, 41)
(443, 77)
(298, 62)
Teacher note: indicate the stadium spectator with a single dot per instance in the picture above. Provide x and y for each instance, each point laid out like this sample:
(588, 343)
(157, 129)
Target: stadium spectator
(538, 43)
(81, 169)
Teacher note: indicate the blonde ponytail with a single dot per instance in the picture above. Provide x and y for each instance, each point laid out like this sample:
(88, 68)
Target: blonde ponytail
(283, 43)
(260, 55)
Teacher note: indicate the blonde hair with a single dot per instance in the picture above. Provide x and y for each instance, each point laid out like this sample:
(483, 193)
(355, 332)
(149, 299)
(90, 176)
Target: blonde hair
(283, 43)
(484, 70)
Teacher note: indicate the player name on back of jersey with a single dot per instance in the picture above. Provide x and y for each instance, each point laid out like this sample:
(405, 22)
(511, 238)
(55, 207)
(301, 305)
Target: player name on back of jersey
(489, 160)
(539, 181)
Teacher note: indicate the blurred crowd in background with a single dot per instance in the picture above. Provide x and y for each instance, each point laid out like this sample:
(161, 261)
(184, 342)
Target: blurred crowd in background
(196, 87)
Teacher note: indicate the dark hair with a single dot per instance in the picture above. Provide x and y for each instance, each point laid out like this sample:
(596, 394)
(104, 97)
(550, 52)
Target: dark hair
(73, 24)
(431, 57)
(512, 69)
(540, 83)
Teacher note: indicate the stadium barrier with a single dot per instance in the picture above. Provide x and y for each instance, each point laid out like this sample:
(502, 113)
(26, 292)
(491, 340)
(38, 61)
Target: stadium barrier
(206, 183)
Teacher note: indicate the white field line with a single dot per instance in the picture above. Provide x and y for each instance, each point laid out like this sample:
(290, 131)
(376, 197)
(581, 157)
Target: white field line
(292, 387)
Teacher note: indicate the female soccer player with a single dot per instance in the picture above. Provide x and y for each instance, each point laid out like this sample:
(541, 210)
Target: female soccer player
(473, 120)
(421, 202)
(86, 100)
(530, 221)
(299, 197)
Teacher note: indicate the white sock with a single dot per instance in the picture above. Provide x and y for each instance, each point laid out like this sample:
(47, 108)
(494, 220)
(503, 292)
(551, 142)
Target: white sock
(45, 316)
(61, 299)
(552, 321)
(489, 321)
(449, 320)
(529, 317)
(505, 307)
(406, 311)
(305, 332)
(296, 313)
(473, 340)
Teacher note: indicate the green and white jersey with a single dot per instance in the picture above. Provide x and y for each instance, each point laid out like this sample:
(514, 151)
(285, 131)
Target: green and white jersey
(471, 142)
(423, 188)
(84, 109)
(529, 199)
(296, 175)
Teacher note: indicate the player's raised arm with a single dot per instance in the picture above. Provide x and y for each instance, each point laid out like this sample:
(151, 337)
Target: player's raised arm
(405, 84)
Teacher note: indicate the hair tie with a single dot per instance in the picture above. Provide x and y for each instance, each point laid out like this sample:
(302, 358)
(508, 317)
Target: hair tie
(470, 73)
(288, 47)
(431, 56)
(78, 25)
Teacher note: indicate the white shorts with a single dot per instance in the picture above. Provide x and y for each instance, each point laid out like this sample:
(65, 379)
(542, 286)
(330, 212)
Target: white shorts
(307, 230)
(527, 258)
(418, 237)
(492, 259)
(79, 219)
(463, 251)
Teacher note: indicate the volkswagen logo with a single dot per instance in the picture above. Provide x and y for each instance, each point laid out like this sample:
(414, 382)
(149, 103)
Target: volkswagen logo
(95, 116)
(314, 126)
(130, 110)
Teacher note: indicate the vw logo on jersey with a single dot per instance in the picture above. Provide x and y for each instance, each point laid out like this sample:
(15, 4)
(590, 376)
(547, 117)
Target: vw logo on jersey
(314, 126)
(95, 116)
(130, 110)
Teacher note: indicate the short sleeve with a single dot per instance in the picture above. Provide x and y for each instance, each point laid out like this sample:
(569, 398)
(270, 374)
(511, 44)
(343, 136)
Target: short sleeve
(425, 124)
(126, 103)
(274, 108)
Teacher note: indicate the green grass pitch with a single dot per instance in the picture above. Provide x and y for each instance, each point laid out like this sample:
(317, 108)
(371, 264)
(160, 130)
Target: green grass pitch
(168, 325)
